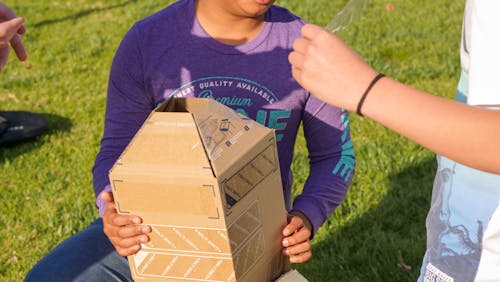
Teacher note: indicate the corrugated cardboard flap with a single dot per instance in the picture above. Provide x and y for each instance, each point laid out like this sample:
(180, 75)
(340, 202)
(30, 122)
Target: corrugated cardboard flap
(169, 144)
(224, 132)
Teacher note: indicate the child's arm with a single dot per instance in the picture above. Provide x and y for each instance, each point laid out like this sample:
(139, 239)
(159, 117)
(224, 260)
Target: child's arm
(469, 135)
(326, 130)
(333, 72)
(331, 160)
(127, 106)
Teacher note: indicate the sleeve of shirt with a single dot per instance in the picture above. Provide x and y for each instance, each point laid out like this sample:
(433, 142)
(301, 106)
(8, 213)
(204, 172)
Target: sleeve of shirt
(127, 107)
(331, 156)
(484, 53)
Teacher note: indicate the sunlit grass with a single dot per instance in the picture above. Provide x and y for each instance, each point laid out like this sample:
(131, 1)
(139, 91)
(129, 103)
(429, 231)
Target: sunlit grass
(45, 185)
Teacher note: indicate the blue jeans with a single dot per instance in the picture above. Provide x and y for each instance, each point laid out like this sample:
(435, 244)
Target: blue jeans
(86, 256)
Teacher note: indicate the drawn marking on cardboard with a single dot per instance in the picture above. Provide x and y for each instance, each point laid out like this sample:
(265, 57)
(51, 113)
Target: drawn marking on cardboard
(249, 176)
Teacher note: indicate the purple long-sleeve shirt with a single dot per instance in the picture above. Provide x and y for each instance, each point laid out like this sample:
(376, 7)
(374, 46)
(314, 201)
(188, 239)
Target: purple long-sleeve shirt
(169, 53)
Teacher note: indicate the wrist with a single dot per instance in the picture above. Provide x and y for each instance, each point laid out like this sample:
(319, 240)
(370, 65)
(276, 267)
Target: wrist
(365, 94)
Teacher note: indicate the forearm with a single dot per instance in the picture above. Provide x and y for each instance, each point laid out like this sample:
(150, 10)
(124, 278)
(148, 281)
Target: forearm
(331, 155)
(323, 191)
(469, 135)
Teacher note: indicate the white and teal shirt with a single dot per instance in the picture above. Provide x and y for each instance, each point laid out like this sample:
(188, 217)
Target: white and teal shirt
(463, 224)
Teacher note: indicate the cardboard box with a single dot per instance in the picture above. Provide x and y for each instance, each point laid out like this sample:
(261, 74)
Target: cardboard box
(207, 180)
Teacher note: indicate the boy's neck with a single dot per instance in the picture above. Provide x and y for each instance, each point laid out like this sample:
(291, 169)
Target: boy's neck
(226, 27)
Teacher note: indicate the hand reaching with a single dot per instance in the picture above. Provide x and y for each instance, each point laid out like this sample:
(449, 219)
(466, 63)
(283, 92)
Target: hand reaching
(11, 27)
(328, 68)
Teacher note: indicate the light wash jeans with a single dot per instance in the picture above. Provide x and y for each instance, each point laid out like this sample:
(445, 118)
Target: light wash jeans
(86, 256)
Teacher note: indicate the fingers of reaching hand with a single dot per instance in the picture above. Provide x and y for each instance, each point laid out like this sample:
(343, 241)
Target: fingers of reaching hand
(310, 30)
(21, 30)
(14, 25)
(4, 56)
(300, 45)
(296, 60)
(18, 47)
(296, 57)
(303, 58)
(296, 73)
(10, 28)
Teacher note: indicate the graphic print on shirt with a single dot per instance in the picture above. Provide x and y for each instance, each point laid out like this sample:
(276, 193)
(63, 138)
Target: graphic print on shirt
(241, 95)
(450, 243)
(463, 202)
(345, 166)
(261, 104)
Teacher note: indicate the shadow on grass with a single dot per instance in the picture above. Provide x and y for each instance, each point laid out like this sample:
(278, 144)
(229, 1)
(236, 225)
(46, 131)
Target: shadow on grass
(81, 14)
(57, 124)
(372, 246)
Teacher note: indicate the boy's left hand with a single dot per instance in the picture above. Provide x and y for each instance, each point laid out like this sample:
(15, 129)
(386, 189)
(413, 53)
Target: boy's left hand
(296, 242)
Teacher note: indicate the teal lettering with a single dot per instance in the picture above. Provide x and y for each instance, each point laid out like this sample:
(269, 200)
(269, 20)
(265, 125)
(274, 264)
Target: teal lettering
(346, 162)
(261, 117)
(345, 121)
(274, 117)
(273, 122)
(241, 111)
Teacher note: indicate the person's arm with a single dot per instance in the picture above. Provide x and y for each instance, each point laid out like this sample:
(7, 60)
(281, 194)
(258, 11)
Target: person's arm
(127, 107)
(11, 27)
(331, 161)
(326, 130)
(333, 72)
(469, 135)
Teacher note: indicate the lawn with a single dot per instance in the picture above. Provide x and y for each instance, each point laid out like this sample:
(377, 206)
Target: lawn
(46, 186)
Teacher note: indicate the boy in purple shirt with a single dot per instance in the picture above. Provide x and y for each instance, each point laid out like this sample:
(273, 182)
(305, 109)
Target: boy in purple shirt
(233, 51)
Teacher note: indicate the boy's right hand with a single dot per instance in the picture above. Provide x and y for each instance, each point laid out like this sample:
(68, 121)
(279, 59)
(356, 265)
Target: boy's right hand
(124, 231)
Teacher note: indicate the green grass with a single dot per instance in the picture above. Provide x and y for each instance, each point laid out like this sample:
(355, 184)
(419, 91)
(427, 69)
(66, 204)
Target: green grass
(45, 185)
